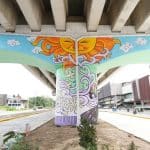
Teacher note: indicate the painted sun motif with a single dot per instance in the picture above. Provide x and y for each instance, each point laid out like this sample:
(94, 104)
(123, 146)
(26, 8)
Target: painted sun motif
(63, 49)
(96, 47)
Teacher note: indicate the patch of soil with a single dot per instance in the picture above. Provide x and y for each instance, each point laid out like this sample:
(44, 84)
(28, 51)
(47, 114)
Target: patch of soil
(50, 137)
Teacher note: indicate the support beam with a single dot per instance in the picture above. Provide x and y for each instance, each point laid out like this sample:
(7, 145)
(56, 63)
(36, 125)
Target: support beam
(32, 10)
(66, 6)
(120, 12)
(141, 16)
(94, 9)
(7, 15)
(59, 14)
(73, 29)
(105, 75)
(49, 77)
(36, 72)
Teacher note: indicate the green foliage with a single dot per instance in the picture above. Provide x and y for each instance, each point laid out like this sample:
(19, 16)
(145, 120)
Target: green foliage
(12, 134)
(132, 146)
(22, 145)
(9, 135)
(105, 147)
(87, 134)
(16, 141)
(40, 101)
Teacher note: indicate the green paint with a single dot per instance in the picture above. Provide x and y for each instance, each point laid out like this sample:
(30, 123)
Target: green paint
(132, 58)
(21, 58)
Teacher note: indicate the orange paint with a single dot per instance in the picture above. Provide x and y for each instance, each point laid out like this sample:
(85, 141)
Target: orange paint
(87, 47)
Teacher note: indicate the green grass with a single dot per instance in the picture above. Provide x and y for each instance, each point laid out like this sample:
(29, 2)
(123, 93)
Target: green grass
(7, 108)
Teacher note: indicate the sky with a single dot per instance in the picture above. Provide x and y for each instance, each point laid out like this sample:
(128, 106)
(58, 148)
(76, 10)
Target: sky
(127, 73)
(15, 79)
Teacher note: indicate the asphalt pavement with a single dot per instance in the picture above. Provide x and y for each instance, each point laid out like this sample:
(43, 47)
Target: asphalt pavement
(138, 125)
(19, 124)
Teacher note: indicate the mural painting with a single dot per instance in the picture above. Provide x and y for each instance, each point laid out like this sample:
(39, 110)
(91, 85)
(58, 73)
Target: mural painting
(58, 55)
(91, 51)
(63, 49)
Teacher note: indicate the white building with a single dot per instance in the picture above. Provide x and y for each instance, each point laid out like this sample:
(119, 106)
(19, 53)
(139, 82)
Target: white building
(17, 102)
(127, 92)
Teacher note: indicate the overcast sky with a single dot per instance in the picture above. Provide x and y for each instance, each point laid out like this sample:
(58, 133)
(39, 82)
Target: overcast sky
(128, 73)
(15, 79)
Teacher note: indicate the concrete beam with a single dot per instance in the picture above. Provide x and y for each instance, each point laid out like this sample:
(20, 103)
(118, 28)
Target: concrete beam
(66, 6)
(120, 12)
(49, 77)
(141, 16)
(7, 15)
(106, 74)
(37, 73)
(32, 11)
(59, 11)
(94, 10)
(72, 30)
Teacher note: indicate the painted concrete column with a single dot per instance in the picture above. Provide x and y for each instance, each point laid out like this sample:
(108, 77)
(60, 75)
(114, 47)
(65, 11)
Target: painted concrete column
(88, 93)
(66, 101)
(66, 111)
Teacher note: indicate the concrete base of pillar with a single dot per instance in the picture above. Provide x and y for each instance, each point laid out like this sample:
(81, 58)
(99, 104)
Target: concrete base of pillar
(65, 120)
(91, 115)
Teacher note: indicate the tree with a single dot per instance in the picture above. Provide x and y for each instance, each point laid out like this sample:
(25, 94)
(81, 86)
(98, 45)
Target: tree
(87, 134)
(40, 101)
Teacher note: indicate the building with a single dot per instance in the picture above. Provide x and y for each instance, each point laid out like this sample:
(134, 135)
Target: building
(132, 93)
(14, 101)
(17, 102)
(3, 99)
(127, 92)
(141, 90)
(110, 95)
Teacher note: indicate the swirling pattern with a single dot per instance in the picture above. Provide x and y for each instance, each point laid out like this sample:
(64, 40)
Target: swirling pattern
(90, 50)
(66, 93)
(87, 87)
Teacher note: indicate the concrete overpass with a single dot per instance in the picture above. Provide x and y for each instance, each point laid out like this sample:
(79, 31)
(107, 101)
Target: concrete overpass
(66, 17)
(74, 19)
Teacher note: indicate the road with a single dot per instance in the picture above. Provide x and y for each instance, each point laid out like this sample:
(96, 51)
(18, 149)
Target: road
(136, 125)
(19, 124)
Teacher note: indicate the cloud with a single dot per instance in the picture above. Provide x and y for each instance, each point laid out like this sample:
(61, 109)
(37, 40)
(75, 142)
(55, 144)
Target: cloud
(13, 42)
(141, 41)
(126, 47)
(37, 50)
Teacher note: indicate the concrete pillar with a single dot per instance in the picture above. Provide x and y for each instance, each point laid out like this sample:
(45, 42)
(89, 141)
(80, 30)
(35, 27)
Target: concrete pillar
(68, 95)
(88, 93)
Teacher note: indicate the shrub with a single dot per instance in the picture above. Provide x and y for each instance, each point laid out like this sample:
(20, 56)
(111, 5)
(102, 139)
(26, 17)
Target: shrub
(16, 141)
(23, 145)
(132, 146)
(105, 147)
(87, 134)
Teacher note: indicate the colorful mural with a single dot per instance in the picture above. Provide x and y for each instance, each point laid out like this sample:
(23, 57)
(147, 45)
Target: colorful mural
(63, 49)
(66, 97)
(88, 92)
(58, 52)
(93, 50)
(58, 55)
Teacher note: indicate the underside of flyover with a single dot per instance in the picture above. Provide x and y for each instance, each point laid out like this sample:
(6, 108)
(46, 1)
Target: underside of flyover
(73, 45)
